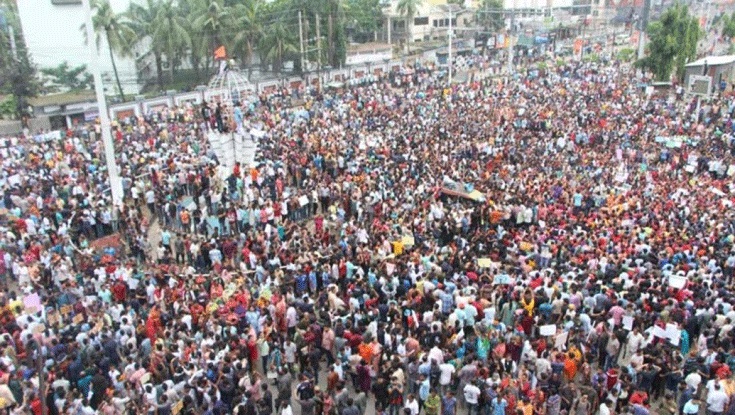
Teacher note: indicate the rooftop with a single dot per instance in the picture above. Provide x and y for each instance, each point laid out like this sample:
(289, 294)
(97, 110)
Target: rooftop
(62, 99)
(713, 61)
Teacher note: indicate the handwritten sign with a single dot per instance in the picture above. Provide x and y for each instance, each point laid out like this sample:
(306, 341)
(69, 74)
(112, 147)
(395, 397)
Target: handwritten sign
(484, 262)
(32, 302)
(177, 407)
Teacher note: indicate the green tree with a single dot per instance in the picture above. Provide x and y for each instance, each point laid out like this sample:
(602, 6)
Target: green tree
(214, 22)
(408, 9)
(364, 18)
(490, 15)
(66, 77)
(17, 72)
(119, 35)
(728, 25)
(248, 28)
(142, 19)
(278, 43)
(170, 34)
(673, 43)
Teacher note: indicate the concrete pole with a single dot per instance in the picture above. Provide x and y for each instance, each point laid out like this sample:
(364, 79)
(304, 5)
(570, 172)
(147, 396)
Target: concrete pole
(510, 38)
(644, 24)
(301, 43)
(449, 54)
(13, 47)
(114, 176)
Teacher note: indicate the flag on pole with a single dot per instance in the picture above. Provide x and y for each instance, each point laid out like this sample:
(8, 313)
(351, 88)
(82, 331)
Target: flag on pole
(220, 53)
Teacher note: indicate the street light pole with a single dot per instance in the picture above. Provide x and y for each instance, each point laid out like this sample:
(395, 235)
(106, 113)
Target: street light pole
(449, 53)
(114, 176)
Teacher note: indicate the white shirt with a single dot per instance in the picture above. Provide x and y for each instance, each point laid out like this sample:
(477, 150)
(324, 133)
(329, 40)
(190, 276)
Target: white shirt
(604, 410)
(413, 406)
(471, 393)
(446, 373)
(717, 401)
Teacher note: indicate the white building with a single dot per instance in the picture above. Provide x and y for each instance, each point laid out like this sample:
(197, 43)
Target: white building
(53, 34)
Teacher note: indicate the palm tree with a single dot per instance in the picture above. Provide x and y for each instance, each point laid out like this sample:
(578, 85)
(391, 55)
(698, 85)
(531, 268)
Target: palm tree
(213, 22)
(142, 19)
(277, 44)
(248, 28)
(408, 9)
(120, 37)
(170, 34)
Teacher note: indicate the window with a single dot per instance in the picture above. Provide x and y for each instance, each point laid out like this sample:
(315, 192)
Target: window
(436, 23)
(421, 21)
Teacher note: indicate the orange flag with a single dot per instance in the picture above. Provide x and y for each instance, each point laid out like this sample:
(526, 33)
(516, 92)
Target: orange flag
(220, 53)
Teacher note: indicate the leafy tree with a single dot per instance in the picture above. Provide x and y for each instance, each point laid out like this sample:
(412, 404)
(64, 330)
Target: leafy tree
(214, 22)
(119, 35)
(66, 77)
(170, 34)
(278, 43)
(673, 43)
(490, 16)
(142, 19)
(364, 18)
(248, 28)
(728, 25)
(408, 9)
(17, 72)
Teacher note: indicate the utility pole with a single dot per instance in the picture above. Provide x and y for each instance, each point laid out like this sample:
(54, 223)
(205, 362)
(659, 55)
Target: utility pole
(449, 52)
(41, 380)
(114, 176)
(301, 43)
(318, 44)
(389, 25)
(510, 38)
(13, 47)
(644, 24)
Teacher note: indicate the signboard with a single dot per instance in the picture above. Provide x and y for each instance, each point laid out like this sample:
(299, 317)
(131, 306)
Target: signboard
(700, 85)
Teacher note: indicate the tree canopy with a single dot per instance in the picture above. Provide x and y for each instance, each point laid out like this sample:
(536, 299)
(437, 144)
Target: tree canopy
(672, 43)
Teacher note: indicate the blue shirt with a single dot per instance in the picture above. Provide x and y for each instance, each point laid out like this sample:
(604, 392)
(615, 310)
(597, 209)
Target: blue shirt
(499, 406)
(165, 238)
(577, 199)
(424, 389)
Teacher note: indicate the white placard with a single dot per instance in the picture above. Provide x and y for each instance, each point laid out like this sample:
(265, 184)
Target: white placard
(561, 341)
(673, 334)
(659, 332)
(676, 281)
(628, 322)
(548, 330)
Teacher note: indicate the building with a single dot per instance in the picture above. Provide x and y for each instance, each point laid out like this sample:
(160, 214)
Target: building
(53, 34)
(65, 110)
(720, 68)
(431, 21)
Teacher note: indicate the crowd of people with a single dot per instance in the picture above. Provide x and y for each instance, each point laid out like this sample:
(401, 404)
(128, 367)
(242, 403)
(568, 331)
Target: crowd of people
(558, 242)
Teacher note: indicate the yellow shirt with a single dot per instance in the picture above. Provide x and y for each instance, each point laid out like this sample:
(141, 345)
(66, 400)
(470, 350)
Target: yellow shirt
(398, 248)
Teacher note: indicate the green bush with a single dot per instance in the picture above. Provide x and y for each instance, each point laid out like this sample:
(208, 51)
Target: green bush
(8, 107)
(626, 54)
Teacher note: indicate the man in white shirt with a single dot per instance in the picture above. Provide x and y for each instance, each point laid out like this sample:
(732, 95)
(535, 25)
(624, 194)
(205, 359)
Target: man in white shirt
(412, 405)
(471, 397)
(445, 378)
(605, 408)
(717, 400)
